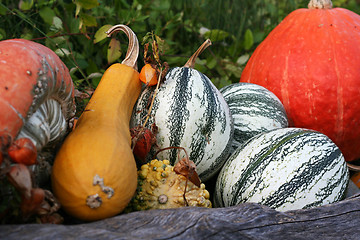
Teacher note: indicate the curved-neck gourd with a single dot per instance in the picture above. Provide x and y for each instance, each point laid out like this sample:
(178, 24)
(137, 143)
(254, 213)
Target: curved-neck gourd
(94, 173)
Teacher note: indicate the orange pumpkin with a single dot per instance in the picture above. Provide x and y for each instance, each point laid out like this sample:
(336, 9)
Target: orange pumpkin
(311, 62)
(30, 74)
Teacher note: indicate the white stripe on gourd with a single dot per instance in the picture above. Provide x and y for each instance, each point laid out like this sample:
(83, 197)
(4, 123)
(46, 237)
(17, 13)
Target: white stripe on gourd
(285, 169)
(254, 109)
(189, 112)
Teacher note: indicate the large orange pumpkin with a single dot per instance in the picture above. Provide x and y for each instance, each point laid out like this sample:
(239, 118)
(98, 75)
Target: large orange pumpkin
(311, 61)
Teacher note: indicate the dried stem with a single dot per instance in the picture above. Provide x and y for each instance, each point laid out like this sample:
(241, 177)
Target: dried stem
(133, 49)
(142, 130)
(191, 62)
(167, 148)
(153, 99)
(353, 167)
(320, 4)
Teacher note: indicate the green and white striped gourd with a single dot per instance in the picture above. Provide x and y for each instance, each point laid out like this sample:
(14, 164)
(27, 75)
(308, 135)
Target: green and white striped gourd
(284, 169)
(254, 109)
(189, 112)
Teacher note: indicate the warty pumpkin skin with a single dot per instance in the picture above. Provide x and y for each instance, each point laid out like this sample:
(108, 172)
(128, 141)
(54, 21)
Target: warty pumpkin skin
(310, 61)
(160, 187)
(94, 173)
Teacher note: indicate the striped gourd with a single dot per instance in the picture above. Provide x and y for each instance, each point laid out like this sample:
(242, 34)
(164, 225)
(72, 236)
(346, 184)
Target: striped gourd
(284, 169)
(189, 112)
(254, 109)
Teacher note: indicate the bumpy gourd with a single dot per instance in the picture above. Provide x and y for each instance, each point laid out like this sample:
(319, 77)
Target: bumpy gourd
(159, 187)
(94, 173)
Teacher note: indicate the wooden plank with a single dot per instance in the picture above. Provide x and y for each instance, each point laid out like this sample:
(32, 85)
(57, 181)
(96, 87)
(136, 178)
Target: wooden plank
(245, 221)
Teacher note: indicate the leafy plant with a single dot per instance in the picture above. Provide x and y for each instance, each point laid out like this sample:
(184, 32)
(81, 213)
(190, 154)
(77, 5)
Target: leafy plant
(75, 30)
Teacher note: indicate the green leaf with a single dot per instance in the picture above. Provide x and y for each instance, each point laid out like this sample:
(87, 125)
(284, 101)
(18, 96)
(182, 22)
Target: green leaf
(74, 25)
(161, 44)
(141, 18)
(211, 63)
(248, 39)
(26, 35)
(78, 9)
(258, 36)
(57, 24)
(114, 50)
(47, 14)
(2, 34)
(26, 5)
(216, 35)
(3, 9)
(148, 37)
(101, 33)
(87, 4)
(88, 20)
(243, 59)
(61, 52)
(232, 68)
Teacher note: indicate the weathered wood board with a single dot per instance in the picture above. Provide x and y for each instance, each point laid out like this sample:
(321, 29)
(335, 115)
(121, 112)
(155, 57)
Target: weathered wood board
(245, 221)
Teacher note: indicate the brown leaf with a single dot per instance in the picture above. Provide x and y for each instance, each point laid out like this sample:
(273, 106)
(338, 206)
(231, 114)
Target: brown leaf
(187, 168)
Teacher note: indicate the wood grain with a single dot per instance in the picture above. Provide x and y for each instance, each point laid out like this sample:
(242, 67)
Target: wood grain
(244, 221)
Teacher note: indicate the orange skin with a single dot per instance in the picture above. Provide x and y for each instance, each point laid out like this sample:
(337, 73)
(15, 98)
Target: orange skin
(148, 75)
(23, 151)
(27, 71)
(310, 61)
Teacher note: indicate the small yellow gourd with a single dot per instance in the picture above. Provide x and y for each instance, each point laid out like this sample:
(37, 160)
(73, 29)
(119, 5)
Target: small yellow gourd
(94, 173)
(160, 187)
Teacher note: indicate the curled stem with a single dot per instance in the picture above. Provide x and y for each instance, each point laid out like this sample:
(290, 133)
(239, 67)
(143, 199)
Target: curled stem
(191, 62)
(133, 48)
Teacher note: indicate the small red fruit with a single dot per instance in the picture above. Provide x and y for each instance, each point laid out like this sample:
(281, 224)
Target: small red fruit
(23, 151)
(143, 139)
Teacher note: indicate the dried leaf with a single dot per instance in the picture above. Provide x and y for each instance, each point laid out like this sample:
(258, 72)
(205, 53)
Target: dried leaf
(187, 168)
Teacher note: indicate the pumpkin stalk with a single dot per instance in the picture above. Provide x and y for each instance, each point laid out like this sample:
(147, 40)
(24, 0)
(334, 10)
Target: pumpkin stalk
(320, 4)
(133, 49)
(191, 62)
(353, 167)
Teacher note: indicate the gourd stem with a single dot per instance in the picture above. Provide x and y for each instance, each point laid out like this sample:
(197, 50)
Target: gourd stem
(191, 62)
(320, 4)
(353, 167)
(133, 48)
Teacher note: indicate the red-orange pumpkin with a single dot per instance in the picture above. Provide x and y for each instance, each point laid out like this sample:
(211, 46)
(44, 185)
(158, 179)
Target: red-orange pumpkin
(311, 61)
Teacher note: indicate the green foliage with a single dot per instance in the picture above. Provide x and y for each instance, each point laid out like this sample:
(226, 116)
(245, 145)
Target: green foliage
(75, 30)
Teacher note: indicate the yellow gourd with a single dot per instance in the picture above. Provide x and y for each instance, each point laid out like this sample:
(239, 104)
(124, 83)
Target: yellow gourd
(160, 187)
(94, 173)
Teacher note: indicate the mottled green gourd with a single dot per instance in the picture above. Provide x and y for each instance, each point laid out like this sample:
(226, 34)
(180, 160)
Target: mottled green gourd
(159, 187)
